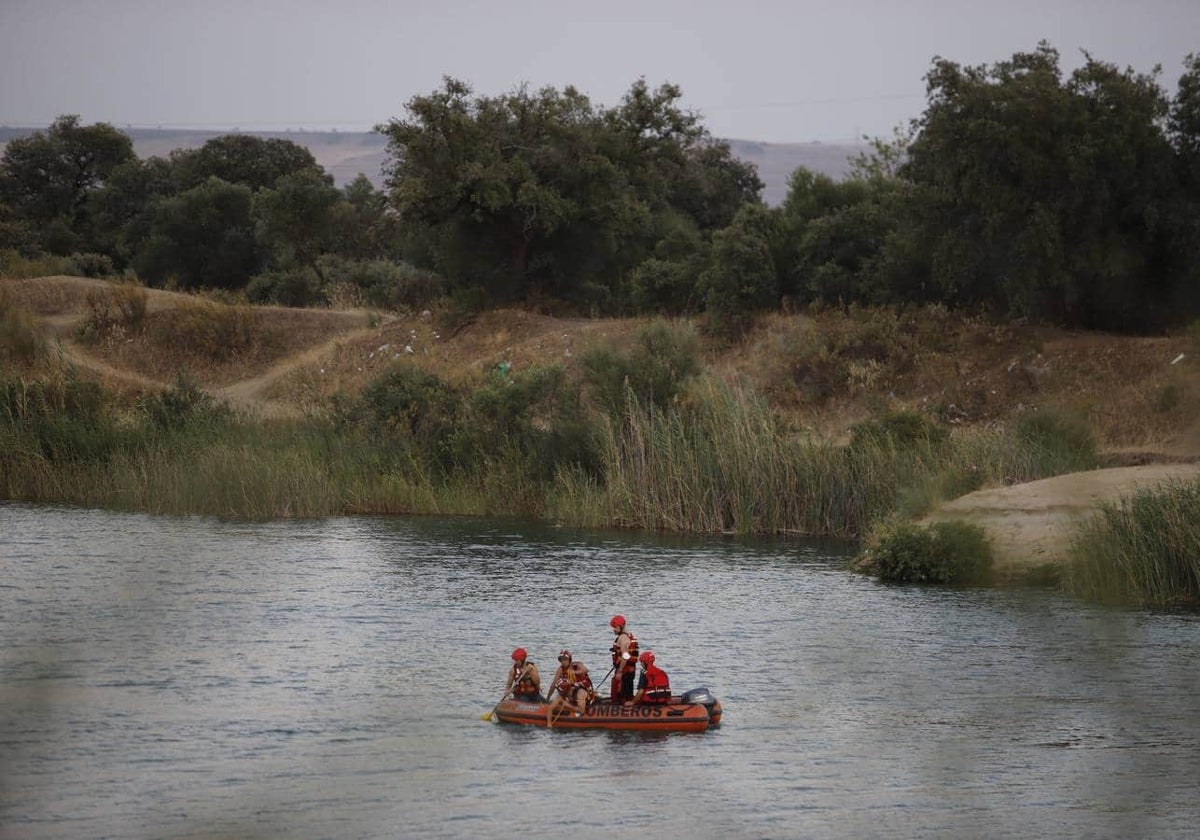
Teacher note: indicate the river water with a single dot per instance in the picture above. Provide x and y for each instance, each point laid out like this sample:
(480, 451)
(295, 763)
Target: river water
(182, 677)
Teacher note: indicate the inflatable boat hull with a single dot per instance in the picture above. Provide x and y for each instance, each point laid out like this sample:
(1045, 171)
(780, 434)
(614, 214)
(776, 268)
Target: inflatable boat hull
(665, 717)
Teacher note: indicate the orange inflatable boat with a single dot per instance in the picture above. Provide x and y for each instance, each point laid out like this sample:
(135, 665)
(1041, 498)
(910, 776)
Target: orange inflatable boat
(693, 711)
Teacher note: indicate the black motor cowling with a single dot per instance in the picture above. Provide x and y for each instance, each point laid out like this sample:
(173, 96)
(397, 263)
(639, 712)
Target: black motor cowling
(698, 695)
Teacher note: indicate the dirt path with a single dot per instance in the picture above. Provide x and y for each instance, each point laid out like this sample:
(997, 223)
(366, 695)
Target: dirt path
(1030, 525)
(248, 393)
(77, 356)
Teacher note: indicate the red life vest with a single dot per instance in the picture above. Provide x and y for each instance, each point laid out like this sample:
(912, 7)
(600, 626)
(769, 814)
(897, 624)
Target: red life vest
(571, 681)
(658, 685)
(523, 685)
(633, 651)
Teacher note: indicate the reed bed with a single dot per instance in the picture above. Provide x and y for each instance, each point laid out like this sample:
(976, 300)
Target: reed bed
(1144, 549)
(715, 460)
(722, 462)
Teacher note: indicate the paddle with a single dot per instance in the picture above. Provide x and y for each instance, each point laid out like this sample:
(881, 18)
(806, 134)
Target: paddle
(492, 712)
(602, 679)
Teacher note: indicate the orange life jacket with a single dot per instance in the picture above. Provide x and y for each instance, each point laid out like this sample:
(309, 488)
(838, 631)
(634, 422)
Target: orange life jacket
(633, 651)
(571, 681)
(523, 685)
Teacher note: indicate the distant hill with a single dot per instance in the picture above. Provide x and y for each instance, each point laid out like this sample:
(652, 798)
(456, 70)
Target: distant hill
(777, 161)
(345, 154)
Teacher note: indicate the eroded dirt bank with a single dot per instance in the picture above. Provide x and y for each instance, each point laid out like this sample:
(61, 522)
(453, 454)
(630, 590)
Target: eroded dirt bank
(1030, 524)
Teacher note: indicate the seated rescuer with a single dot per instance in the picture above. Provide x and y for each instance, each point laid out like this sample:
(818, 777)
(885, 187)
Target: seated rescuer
(624, 657)
(523, 679)
(572, 687)
(653, 685)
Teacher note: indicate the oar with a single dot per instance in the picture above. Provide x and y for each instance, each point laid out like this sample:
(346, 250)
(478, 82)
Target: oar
(602, 679)
(492, 713)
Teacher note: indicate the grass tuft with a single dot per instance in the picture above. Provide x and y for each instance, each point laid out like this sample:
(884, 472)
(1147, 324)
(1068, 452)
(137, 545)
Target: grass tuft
(20, 341)
(1144, 549)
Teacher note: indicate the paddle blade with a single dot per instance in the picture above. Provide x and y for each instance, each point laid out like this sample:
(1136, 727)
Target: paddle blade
(487, 716)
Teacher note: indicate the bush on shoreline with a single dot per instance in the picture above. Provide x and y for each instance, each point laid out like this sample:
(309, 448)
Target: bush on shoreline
(951, 553)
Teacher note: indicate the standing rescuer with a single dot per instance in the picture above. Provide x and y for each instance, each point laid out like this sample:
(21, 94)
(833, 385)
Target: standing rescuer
(523, 679)
(654, 686)
(624, 657)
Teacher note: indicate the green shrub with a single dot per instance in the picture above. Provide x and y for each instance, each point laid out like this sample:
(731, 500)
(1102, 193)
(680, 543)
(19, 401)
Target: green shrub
(659, 285)
(863, 352)
(941, 553)
(293, 287)
(1061, 440)
(900, 429)
(535, 418)
(386, 285)
(92, 265)
(415, 406)
(740, 280)
(183, 405)
(664, 356)
(462, 305)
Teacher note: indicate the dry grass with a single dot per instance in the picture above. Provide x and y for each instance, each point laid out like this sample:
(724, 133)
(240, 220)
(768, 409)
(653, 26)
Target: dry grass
(522, 339)
(965, 371)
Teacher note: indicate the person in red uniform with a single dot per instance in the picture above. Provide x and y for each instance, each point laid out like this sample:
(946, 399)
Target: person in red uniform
(624, 657)
(523, 679)
(654, 686)
(572, 688)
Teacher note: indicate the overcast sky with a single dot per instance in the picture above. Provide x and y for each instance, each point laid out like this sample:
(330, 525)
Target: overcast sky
(775, 70)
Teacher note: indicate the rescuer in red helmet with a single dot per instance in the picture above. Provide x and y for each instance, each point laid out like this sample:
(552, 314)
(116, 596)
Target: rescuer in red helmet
(523, 679)
(624, 657)
(653, 685)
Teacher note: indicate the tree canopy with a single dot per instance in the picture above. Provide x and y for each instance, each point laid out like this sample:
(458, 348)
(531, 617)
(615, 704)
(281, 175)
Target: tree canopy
(1020, 190)
(543, 193)
(245, 159)
(49, 176)
(1045, 196)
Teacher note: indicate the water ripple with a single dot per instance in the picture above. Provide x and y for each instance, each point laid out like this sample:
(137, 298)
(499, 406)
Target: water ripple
(163, 677)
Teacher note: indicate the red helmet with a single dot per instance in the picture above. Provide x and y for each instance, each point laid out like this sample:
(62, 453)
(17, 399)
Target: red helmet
(519, 655)
(647, 657)
(565, 653)
(617, 621)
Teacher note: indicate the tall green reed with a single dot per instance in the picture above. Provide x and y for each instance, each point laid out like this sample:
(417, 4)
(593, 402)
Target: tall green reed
(717, 459)
(1144, 549)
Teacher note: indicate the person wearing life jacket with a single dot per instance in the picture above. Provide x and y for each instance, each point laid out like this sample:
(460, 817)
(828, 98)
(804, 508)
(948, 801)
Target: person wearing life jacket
(624, 658)
(571, 688)
(523, 679)
(653, 685)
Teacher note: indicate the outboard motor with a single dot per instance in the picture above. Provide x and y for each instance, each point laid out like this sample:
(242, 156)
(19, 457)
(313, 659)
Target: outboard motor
(705, 698)
(698, 695)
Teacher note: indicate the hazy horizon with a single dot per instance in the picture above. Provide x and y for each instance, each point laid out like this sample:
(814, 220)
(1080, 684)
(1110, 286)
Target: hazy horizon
(770, 72)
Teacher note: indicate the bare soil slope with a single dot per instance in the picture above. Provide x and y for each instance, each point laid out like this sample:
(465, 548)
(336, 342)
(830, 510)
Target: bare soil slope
(1141, 395)
(1030, 525)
